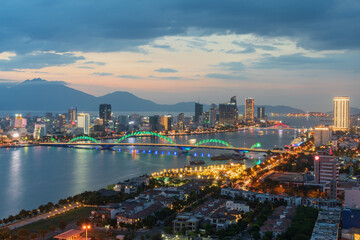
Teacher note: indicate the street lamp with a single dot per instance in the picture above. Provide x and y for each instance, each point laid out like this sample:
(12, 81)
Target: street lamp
(86, 227)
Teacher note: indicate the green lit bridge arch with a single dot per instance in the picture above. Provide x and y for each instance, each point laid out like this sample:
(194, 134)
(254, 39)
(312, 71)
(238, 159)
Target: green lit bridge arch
(144, 133)
(83, 138)
(256, 145)
(212, 140)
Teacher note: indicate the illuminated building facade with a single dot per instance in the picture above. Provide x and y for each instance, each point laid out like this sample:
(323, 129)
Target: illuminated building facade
(166, 122)
(326, 168)
(84, 122)
(249, 110)
(341, 113)
(39, 131)
(322, 135)
(20, 122)
(72, 115)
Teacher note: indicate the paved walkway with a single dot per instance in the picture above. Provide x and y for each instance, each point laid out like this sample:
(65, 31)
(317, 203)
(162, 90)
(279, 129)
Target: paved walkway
(44, 216)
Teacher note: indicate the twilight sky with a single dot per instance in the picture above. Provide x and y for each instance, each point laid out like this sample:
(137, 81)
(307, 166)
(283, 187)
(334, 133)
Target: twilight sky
(297, 53)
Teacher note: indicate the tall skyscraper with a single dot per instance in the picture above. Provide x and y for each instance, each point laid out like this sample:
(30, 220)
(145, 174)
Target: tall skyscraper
(198, 112)
(84, 122)
(261, 113)
(228, 112)
(166, 122)
(154, 122)
(212, 113)
(341, 113)
(105, 112)
(72, 115)
(326, 168)
(249, 110)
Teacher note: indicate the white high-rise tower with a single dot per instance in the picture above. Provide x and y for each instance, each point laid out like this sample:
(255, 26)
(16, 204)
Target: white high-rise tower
(341, 113)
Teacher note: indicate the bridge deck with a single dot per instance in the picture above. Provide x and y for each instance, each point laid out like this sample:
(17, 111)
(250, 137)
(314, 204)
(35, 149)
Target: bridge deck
(163, 145)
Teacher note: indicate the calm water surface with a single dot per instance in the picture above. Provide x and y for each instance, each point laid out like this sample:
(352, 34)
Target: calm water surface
(35, 175)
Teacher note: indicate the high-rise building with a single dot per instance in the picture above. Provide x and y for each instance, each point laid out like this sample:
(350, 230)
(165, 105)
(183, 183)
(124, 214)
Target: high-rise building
(166, 122)
(249, 110)
(212, 115)
(322, 135)
(261, 113)
(341, 113)
(198, 112)
(105, 112)
(20, 122)
(39, 130)
(72, 115)
(84, 122)
(228, 112)
(61, 118)
(326, 168)
(154, 122)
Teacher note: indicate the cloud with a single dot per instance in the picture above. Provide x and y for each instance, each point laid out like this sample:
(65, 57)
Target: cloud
(247, 50)
(172, 78)
(224, 76)
(86, 67)
(95, 63)
(253, 46)
(144, 61)
(163, 46)
(125, 25)
(38, 60)
(166, 70)
(231, 66)
(341, 61)
(128, 76)
(102, 74)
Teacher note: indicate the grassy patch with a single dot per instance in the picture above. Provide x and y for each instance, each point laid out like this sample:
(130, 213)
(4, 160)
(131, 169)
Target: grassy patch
(68, 217)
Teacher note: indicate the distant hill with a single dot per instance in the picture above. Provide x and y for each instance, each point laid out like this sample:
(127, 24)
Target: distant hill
(41, 95)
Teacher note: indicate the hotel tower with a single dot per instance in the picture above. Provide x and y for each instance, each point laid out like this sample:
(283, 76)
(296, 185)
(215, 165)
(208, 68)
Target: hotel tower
(341, 113)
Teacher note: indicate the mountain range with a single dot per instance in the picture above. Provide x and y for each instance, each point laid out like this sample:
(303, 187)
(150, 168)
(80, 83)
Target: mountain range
(42, 95)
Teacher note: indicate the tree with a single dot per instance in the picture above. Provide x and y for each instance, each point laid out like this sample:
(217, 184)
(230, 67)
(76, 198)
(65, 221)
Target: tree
(53, 228)
(62, 225)
(43, 233)
(4, 233)
(34, 236)
(267, 236)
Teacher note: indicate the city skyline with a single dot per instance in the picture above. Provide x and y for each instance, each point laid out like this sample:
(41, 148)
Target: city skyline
(177, 56)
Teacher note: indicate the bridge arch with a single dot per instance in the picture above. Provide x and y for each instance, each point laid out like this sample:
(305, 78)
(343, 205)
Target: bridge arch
(142, 133)
(83, 138)
(256, 145)
(213, 140)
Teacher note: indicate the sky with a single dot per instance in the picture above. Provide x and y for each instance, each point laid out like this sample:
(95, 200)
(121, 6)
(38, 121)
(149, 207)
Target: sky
(296, 53)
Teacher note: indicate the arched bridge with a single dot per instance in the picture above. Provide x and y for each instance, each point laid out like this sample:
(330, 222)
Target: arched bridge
(204, 144)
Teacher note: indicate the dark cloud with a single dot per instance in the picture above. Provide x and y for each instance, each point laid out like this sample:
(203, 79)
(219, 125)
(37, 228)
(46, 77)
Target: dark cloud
(166, 70)
(102, 74)
(340, 61)
(247, 50)
(253, 46)
(113, 25)
(172, 78)
(224, 76)
(37, 60)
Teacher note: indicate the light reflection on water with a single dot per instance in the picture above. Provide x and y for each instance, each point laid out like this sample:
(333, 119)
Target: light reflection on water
(36, 175)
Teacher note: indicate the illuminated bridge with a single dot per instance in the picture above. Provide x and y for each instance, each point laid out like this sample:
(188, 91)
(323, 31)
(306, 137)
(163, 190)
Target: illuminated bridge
(219, 144)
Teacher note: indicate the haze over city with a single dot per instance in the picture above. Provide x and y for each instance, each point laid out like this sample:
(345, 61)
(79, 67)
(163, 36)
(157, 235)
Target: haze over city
(301, 53)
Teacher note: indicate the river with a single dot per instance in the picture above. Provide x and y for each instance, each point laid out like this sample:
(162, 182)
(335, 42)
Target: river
(32, 176)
